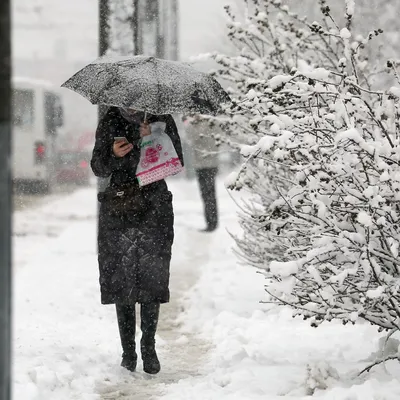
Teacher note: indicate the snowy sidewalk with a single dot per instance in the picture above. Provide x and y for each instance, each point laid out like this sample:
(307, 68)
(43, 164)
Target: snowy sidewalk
(66, 342)
(216, 341)
(261, 353)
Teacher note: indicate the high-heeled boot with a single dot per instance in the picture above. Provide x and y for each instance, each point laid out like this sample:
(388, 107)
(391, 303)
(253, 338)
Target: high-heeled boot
(126, 316)
(149, 314)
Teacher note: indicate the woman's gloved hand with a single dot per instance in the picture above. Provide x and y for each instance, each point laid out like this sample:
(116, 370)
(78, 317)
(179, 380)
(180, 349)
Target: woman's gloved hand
(144, 129)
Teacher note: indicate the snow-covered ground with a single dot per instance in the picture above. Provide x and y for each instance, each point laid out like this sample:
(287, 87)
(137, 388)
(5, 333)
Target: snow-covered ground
(216, 340)
(66, 344)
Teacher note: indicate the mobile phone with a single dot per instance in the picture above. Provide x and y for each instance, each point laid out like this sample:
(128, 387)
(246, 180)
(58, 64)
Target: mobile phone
(120, 139)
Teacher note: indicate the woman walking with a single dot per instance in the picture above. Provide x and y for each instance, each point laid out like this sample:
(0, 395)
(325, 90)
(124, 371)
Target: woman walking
(135, 231)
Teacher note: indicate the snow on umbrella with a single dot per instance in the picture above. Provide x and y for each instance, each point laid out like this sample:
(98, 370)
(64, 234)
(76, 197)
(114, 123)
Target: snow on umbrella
(148, 84)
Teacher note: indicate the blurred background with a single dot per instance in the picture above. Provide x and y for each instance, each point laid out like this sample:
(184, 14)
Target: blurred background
(52, 39)
(54, 128)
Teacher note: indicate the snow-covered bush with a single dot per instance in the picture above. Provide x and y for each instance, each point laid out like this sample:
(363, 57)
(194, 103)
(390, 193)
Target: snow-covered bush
(322, 150)
(273, 44)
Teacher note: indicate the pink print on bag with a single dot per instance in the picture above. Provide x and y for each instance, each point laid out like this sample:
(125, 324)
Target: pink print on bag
(152, 155)
(158, 157)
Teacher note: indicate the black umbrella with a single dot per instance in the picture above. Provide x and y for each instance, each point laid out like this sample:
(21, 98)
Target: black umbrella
(148, 84)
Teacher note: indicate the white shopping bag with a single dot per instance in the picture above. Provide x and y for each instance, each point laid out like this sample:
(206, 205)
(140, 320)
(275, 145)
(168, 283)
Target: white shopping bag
(158, 157)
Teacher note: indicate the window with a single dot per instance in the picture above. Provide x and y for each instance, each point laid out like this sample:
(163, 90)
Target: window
(23, 103)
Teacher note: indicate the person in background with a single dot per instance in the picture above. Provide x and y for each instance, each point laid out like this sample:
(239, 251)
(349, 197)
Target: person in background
(205, 163)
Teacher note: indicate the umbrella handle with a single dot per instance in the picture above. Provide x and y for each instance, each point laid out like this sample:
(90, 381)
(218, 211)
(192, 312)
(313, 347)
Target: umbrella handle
(145, 116)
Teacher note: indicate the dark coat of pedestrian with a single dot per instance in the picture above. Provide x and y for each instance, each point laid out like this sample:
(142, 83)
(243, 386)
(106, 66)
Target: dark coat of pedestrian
(134, 249)
(205, 162)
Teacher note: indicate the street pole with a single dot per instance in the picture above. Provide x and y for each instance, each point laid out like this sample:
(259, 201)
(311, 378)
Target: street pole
(104, 37)
(5, 200)
(104, 28)
(137, 46)
(175, 30)
(159, 24)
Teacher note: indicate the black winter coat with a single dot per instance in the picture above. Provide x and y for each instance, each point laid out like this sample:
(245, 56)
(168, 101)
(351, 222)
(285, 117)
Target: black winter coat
(134, 250)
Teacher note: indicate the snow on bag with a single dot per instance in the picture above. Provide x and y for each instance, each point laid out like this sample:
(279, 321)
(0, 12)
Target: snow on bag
(158, 157)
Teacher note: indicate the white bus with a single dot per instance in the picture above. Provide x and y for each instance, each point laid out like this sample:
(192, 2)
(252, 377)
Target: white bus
(37, 117)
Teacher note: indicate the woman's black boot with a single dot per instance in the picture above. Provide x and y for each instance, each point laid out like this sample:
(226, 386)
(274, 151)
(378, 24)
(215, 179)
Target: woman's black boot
(149, 313)
(127, 327)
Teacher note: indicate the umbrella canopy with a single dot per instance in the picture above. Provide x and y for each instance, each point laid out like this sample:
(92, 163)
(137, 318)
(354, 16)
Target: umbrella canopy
(148, 84)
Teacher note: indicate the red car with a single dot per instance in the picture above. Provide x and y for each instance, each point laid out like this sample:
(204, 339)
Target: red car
(74, 167)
